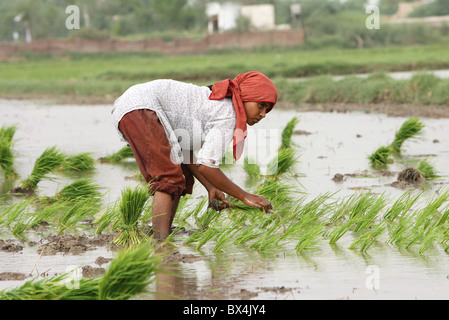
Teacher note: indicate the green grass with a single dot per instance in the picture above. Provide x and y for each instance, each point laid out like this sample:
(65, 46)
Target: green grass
(107, 77)
(379, 87)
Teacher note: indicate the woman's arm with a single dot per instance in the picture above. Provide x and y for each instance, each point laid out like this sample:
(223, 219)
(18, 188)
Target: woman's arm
(220, 181)
(215, 181)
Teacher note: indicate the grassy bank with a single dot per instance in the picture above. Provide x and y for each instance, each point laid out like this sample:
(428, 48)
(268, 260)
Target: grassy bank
(422, 89)
(106, 76)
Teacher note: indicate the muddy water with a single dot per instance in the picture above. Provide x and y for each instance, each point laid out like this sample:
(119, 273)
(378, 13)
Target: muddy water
(328, 144)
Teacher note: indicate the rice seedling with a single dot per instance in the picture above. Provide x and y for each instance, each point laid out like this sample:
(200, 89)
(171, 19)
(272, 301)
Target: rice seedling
(10, 214)
(424, 229)
(80, 189)
(283, 163)
(72, 212)
(128, 274)
(230, 230)
(427, 170)
(381, 156)
(362, 210)
(410, 129)
(366, 221)
(367, 239)
(124, 153)
(401, 206)
(287, 133)
(203, 222)
(46, 163)
(78, 163)
(111, 218)
(185, 211)
(6, 154)
(251, 168)
(126, 215)
(52, 289)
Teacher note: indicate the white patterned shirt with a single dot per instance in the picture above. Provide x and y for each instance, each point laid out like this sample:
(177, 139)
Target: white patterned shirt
(191, 121)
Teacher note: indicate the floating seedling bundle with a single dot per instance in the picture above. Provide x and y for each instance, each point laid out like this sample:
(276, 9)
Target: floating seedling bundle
(410, 129)
(50, 161)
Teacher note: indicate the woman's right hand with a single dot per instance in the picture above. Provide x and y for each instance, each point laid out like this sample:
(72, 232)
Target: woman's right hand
(254, 200)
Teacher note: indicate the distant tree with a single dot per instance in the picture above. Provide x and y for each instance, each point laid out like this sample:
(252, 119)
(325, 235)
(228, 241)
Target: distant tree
(436, 8)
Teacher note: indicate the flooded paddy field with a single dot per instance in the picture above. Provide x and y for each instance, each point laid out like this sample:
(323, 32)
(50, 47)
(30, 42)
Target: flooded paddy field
(332, 149)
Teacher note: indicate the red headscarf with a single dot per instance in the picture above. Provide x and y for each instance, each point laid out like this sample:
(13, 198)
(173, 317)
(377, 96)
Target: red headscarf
(252, 86)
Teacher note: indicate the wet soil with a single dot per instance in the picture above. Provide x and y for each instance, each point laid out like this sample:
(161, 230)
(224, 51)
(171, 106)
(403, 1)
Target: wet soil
(10, 246)
(397, 110)
(66, 243)
(15, 276)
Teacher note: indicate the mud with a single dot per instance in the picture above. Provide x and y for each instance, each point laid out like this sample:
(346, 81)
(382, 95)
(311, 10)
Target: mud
(10, 246)
(91, 272)
(7, 276)
(402, 110)
(66, 243)
(182, 258)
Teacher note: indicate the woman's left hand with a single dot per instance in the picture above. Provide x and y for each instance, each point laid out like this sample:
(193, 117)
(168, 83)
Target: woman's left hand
(217, 199)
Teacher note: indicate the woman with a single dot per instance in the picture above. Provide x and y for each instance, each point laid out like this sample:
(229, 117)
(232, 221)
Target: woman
(164, 121)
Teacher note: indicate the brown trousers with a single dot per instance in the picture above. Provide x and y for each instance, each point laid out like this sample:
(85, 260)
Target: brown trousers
(146, 137)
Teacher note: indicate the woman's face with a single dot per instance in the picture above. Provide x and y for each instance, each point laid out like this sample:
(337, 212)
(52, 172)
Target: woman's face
(256, 111)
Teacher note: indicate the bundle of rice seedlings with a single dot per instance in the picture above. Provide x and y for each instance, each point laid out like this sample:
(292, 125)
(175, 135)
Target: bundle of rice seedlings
(6, 154)
(78, 163)
(283, 163)
(287, 133)
(80, 189)
(46, 163)
(124, 153)
(71, 213)
(411, 128)
(427, 170)
(128, 274)
(131, 207)
(381, 156)
(52, 288)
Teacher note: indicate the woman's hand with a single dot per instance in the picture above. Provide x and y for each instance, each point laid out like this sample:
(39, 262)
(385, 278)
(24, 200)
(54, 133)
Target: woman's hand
(254, 200)
(217, 199)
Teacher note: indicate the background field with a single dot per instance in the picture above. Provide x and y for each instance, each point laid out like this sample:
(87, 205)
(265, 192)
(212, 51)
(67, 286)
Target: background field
(103, 77)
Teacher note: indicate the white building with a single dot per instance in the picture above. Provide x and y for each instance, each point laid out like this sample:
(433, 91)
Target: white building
(223, 16)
